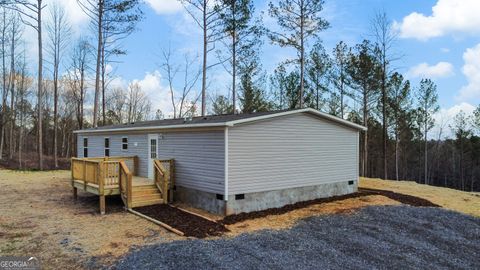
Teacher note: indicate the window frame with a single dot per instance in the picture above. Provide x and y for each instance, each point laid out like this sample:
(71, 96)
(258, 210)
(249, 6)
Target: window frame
(105, 147)
(124, 145)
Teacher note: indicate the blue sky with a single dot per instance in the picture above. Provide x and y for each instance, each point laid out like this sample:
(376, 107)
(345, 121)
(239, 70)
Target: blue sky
(437, 38)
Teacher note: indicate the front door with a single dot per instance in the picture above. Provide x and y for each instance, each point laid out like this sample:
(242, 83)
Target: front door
(152, 152)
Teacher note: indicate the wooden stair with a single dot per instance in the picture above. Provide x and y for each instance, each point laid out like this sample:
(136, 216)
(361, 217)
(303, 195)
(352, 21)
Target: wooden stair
(146, 195)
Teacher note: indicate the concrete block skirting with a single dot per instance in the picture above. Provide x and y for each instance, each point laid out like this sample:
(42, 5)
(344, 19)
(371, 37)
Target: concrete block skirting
(200, 199)
(278, 198)
(261, 200)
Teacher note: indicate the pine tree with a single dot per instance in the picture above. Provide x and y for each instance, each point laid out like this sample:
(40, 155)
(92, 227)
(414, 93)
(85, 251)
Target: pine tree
(300, 21)
(236, 19)
(400, 103)
(339, 74)
(318, 66)
(427, 106)
(363, 70)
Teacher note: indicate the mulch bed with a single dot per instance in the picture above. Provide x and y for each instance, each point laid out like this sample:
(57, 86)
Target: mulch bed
(190, 225)
(405, 199)
(193, 225)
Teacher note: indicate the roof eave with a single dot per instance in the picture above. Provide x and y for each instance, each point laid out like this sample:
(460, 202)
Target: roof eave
(87, 131)
(306, 110)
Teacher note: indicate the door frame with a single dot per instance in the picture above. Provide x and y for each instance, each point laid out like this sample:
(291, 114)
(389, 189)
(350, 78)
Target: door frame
(151, 137)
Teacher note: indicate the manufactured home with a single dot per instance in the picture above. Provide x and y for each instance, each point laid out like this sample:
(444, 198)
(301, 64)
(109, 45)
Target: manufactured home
(229, 164)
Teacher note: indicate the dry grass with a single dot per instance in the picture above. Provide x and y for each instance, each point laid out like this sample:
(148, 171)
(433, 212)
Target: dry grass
(40, 218)
(460, 201)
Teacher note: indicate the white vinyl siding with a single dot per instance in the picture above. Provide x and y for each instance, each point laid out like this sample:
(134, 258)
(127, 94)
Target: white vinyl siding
(291, 151)
(137, 146)
(199, 158)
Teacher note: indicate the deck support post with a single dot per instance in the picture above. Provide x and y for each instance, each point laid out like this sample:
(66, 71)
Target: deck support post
(102, 204)
(75, 191)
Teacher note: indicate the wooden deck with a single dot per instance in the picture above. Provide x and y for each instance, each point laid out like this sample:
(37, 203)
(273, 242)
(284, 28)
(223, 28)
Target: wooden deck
(117, 176)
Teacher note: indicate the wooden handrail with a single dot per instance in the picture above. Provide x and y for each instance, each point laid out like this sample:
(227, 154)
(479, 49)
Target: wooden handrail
(163, 178)
(125, 184)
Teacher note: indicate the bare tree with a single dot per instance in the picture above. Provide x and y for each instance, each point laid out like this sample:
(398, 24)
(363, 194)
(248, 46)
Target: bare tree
(113, 20)
(76, 77)
(205, 13)
(59, 33)
(189, 80)
(385, 38)
(31, 15)
(15, 36)
(4, 24)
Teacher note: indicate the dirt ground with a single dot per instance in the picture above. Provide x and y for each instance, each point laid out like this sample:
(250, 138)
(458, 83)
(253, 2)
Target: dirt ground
(460, 201)
(40, 218)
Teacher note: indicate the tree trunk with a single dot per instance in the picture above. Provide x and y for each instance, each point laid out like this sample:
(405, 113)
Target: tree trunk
(302, 53)
(234, 66)
(384, 113)
(55, 106)
(4, 86)
(204, 65)
(426, 156)
(103, 85)
(39, 85)
(99, 55)
(12, 93)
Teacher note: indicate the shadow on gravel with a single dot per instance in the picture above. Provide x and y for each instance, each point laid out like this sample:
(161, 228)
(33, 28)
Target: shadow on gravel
(394, 237)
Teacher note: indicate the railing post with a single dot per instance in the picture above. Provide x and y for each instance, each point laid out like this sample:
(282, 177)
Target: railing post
(171, 180)
(129, 191)
(100, 180)
(84, 175)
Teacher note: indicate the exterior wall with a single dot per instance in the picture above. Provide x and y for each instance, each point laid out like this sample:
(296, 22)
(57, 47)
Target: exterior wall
(199, 155)
(277, 198)
(287, 152)
(137, 146)
(199, 158)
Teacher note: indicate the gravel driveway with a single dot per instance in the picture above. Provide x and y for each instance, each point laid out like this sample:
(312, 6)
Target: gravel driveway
(385, 237)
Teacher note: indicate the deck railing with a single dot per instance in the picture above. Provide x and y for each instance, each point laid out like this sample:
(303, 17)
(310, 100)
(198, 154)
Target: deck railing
(125, 184)
(164, 171)
(101, 171)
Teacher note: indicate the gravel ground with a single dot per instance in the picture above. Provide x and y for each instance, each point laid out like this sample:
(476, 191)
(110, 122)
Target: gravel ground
(380, 237)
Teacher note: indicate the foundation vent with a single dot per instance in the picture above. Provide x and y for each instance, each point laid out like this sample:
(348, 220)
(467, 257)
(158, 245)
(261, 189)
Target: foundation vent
(351, 182)
(239, 196)
(220, 197)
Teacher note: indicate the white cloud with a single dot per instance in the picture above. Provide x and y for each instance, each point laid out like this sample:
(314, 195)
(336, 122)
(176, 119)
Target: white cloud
(424, 70)
(448, 17)
(165, 6)
(445, 50)
(444, 118)
(471, 70)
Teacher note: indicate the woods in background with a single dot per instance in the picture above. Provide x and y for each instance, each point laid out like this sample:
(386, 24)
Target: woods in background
(71, 88)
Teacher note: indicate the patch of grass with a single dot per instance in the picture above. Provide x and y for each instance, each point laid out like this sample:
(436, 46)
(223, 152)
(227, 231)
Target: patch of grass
(456, 200)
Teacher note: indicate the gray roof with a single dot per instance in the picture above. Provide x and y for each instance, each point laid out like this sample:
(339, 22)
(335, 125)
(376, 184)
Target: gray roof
(214, 121)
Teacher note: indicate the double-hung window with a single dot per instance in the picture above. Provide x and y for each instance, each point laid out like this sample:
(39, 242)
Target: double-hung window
(85, 147)
(106, 147)
(124, 143)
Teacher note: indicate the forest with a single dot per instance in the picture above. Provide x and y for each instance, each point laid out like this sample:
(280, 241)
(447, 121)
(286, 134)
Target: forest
(68, 86)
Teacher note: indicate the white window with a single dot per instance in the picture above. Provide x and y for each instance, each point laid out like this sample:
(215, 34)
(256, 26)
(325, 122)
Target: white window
(124, 143)
(85, 147)
(107, 147)
(153, 148)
